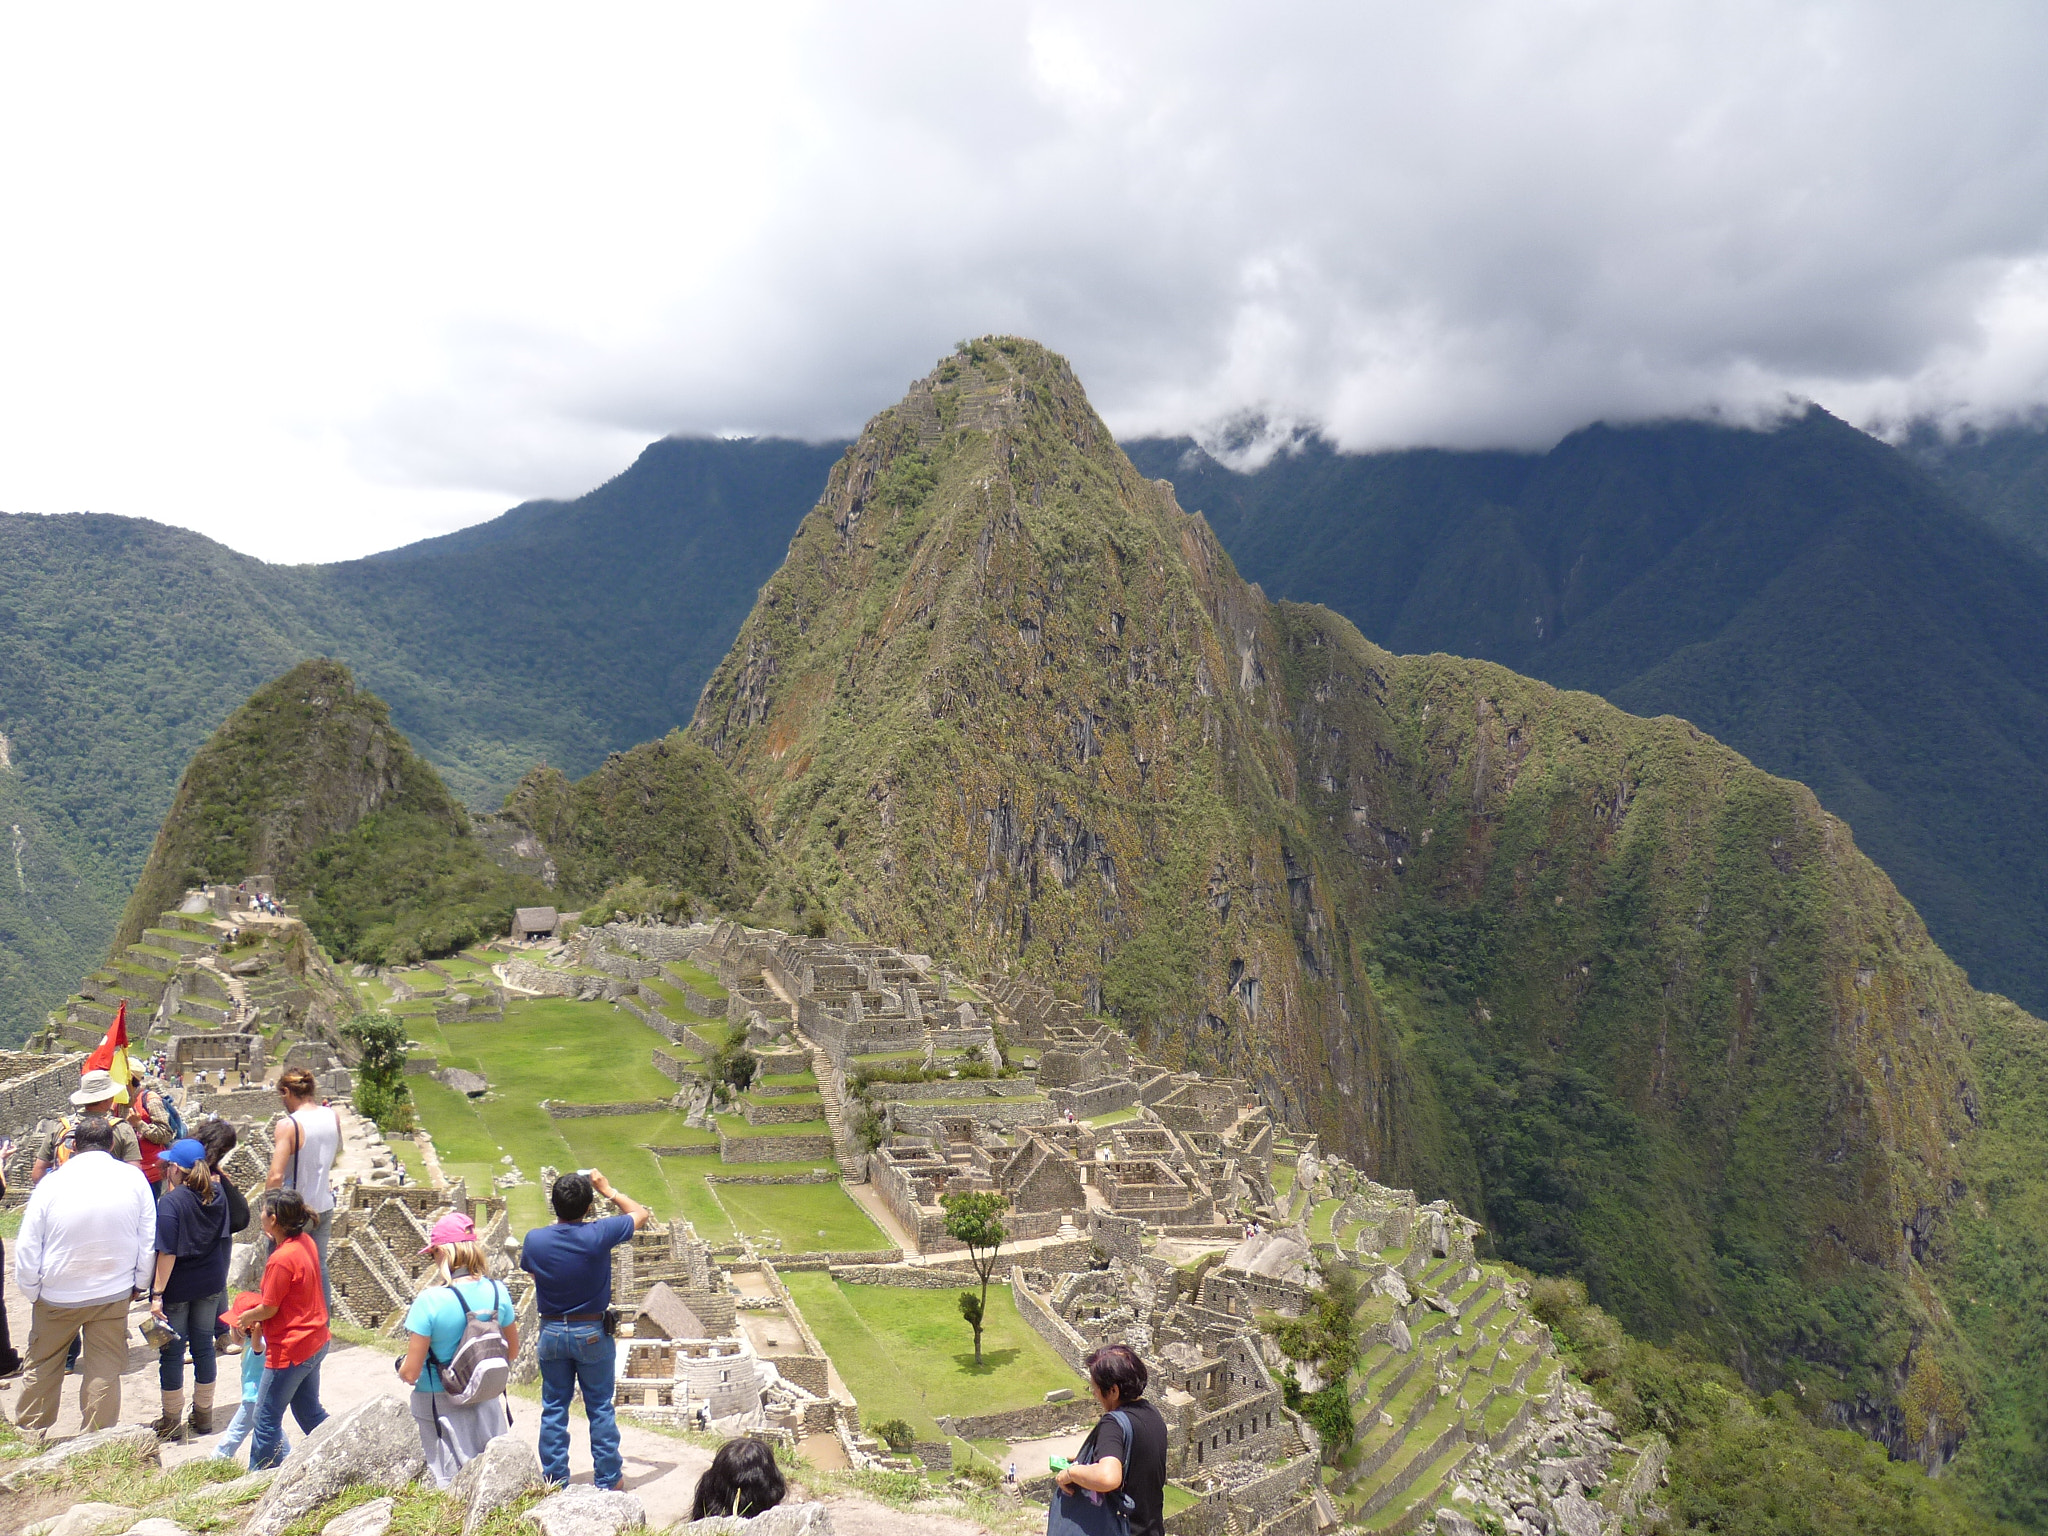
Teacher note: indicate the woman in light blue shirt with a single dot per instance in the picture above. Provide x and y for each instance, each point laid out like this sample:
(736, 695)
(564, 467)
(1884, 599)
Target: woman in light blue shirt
(459, 1285)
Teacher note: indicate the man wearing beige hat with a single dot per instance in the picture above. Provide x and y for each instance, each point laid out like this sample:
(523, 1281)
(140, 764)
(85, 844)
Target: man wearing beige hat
(87, 1248)
(96, 1093)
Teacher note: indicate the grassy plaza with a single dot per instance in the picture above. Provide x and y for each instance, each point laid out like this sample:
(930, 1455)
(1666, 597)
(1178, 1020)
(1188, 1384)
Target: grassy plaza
(909, 1355)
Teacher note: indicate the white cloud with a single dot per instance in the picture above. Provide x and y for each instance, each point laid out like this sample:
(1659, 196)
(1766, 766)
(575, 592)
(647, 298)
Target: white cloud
(318, 284)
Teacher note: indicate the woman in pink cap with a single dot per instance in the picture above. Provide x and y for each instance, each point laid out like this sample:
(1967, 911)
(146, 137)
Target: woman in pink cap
(458, 1289)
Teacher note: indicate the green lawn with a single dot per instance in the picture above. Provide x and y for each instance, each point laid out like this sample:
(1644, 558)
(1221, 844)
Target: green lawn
(808, 1218)
(577, 1052)
(1319, 1220)
(908, 1355)
(1114, 1117)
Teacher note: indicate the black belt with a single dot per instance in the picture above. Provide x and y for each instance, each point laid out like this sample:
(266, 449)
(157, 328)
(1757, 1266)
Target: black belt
(574, 1317)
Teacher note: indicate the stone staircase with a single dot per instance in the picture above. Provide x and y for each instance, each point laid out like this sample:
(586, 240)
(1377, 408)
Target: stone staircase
(853, 1163)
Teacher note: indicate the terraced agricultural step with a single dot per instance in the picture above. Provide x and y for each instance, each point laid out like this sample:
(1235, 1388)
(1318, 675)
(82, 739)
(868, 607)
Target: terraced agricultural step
(178, 939)
(1419, 1500)
(158, 962)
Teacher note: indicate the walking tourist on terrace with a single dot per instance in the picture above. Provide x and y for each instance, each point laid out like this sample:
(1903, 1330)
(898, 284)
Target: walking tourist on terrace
(1126, 1450)
(742, 1480)
(87, 1245)
(193, 1244)
(292, 1312)
(307, 1137)
(571, 1267)
(95, 1096)
(458, 1288)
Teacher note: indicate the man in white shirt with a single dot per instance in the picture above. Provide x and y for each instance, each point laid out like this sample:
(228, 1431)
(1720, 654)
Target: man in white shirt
(87, 1248)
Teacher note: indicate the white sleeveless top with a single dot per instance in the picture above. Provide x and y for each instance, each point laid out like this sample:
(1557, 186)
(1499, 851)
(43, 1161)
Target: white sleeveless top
(319, 1137)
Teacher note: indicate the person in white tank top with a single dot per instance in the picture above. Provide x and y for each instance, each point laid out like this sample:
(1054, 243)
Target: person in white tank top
(304, 1143)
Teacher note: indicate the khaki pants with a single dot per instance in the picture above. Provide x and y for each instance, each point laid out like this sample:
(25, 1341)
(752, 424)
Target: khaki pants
(106, 1352)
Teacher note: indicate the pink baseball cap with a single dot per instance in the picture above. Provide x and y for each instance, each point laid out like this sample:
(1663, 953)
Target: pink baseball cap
(452, 1228)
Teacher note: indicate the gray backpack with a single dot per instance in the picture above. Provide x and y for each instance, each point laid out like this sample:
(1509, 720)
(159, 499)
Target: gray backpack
(481, 1365)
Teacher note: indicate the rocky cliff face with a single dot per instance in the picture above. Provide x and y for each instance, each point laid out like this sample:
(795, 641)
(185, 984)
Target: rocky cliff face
(1641, 1006)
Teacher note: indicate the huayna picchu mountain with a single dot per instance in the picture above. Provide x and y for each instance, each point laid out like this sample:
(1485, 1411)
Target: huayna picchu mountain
(309, 783)
(1641, 1007)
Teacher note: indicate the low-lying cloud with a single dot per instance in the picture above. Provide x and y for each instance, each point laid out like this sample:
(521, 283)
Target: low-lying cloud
(383, 290)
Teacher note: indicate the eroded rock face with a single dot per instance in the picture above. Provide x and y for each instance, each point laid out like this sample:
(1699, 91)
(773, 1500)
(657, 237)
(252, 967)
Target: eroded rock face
(81, 1520)
(506, 1469)
(783, 1520)
(374, 1442)
(583, 1511)
(371, 1519)
(51, 1463)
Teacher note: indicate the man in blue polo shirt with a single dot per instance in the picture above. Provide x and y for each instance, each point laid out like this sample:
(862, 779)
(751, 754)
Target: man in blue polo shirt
(571, 1265)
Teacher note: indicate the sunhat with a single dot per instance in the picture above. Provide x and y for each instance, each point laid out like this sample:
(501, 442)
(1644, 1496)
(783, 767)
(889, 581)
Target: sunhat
(96, 1086)
(189, 1153)
(452, 1228)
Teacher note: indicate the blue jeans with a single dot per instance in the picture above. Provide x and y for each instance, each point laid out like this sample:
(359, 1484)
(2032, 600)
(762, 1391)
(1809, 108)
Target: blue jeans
(297, 1386)
(239, 1428)
(192, 1321)
(576, 1355)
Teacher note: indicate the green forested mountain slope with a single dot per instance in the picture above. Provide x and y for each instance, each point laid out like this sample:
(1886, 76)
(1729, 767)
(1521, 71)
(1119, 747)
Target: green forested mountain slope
(557, 633)
(309, 782)
(665, 814)
(1643, 1007)
(1807, 595)
(2001, 475)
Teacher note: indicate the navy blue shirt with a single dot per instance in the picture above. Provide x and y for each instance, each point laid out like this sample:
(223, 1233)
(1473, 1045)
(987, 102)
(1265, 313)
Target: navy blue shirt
(197, 1237)
(571, 1263)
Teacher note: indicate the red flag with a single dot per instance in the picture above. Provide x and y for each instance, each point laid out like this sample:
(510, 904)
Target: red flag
(111, 1055)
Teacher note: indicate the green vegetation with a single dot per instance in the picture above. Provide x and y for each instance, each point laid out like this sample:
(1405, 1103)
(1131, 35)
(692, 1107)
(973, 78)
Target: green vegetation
(309, 782)
(1806, 595)
(381, 1092)
(898, 1351)
(655, 831)
(1744, 1465)
(803, 1218)
(974, 1218)
(1325, 1336)
(124, 644)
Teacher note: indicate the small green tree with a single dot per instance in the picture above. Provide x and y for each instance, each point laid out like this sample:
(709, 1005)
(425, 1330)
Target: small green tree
(381, 1095)
(974, 1218)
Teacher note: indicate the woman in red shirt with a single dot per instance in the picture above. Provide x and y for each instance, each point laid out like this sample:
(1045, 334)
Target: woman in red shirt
(293, 1317)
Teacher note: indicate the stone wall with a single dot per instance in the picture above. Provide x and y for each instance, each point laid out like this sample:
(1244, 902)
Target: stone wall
(1122, 1236)
(807, 1371)
(1037, 1311)
(33, 1087)
(674, 1068)
(774, 1149)
(1097, 1098)
(1035, 1422)
(704, 1007)
(557, 1110)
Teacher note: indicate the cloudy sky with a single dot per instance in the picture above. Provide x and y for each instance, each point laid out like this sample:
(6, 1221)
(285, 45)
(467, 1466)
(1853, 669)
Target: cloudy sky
(322, 281)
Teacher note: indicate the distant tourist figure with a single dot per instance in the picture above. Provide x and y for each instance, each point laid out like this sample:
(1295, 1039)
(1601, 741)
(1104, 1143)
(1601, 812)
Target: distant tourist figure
(292, 1311)
(308, 1135)
(86, 1249)
(1124, 1454)
(455, 1293)
(95, 1097)
(742, 1480)
(571, 1267)
(193, 1243)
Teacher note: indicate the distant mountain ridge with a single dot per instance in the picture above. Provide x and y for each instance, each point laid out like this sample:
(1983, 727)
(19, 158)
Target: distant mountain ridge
(1807, 595)
(557, 633)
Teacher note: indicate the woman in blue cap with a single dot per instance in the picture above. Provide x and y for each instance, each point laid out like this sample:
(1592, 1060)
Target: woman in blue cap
(193, 1243)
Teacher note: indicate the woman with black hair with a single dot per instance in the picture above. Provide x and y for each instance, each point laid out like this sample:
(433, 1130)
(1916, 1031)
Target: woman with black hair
(293, 1313)
(1113, 1461)
(742, 1480)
